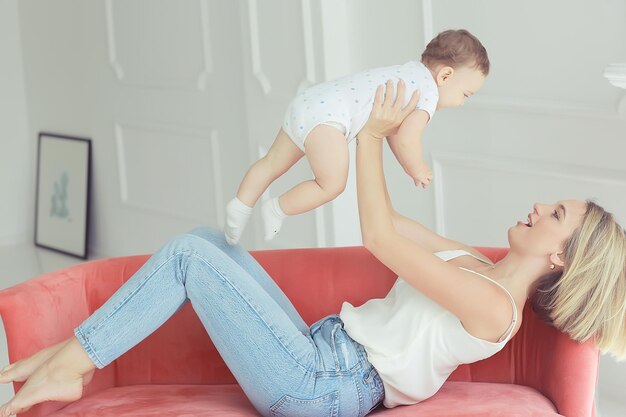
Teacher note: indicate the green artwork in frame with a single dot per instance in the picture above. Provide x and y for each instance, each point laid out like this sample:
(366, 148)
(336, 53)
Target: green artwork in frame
(63, 189)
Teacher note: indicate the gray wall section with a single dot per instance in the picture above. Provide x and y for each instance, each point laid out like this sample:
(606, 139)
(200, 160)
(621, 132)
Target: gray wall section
(16, 159)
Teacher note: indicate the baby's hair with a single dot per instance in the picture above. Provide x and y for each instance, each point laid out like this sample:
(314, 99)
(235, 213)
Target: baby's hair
(456, 48)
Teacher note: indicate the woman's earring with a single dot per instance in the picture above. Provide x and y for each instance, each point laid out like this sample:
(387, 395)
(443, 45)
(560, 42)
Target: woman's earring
(551, 266)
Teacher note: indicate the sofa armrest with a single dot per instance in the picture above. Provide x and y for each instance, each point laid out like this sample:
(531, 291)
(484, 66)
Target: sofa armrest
(570, 375)
(546, 359)
(45, 310)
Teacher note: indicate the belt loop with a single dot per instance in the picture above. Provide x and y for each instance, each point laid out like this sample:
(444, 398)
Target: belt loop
(338, 356)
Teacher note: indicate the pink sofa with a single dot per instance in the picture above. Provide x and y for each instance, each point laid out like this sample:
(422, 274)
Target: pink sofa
(177, 371)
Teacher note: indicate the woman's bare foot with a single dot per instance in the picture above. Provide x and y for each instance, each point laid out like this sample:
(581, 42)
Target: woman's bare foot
(88, 377)
(22, 369)
(60, 378)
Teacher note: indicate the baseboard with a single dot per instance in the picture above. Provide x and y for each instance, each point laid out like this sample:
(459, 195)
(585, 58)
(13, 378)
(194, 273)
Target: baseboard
(15, 239)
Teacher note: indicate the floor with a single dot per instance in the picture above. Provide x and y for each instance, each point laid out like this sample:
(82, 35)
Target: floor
(21, 262)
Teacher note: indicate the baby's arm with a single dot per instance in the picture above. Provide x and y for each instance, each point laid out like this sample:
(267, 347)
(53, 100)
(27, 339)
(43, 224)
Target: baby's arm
(406, 145)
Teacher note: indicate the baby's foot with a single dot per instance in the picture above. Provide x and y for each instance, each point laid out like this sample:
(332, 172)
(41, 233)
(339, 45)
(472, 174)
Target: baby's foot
(237, 215)
(273, 217)
(22, 369)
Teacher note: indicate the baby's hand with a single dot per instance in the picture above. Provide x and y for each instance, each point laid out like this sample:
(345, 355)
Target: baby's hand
(423, 175)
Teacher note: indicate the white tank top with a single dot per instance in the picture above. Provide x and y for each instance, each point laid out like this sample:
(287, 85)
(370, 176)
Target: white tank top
(413, 342)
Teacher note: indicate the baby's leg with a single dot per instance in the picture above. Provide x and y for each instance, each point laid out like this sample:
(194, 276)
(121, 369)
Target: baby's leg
(327, 151)
(281, 156)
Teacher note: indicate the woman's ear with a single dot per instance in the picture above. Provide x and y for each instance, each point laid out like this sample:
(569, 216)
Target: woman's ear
(557, 259)
(444, 74)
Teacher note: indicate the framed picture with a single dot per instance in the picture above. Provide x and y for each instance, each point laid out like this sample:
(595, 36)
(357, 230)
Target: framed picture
(62, 199)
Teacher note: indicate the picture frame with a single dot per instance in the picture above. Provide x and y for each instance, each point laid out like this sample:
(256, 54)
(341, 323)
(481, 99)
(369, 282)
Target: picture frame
(63, 194)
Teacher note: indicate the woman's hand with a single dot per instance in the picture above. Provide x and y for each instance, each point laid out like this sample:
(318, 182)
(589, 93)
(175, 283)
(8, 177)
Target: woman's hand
(387, 114)
(375, 211)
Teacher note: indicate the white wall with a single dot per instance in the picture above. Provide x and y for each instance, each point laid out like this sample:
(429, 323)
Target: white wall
(157, 86)
(16, 151)
(372, 43)
(282, 54)
(546, 124)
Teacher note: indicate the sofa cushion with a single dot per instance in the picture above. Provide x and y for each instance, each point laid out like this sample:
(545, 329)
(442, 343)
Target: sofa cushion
(455, 399)
(478, 399)
(162, 400)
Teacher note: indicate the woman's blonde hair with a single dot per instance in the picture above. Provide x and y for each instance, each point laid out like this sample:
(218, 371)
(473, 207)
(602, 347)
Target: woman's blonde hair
(588, 298)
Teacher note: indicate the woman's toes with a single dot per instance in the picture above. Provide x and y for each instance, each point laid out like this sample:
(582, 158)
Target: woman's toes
(19, 410)
(14, 373)
(5, 411)
(6, 375)
(22, 369)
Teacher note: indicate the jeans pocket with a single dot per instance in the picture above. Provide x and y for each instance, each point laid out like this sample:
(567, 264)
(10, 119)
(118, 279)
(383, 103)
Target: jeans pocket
(324, 406)
(377, 389)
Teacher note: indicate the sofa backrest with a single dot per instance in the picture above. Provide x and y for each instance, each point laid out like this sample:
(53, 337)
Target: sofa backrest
(44, 311)
(317, 281)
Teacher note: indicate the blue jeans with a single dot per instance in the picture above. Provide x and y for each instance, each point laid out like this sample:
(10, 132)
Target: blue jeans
(284, 367)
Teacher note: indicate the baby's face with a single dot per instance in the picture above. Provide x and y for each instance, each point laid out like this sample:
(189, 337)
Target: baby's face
(455, 85)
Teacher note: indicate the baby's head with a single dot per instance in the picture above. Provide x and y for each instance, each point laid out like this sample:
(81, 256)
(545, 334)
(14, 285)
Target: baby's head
(459, 65)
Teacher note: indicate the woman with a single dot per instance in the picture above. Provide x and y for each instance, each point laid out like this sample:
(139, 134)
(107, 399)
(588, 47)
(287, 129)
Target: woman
(572, 252)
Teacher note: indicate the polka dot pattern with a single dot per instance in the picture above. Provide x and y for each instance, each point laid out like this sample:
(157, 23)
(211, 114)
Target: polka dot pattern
(347, 101)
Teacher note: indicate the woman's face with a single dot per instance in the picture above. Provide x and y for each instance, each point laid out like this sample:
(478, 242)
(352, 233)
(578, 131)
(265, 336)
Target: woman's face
(547, 227)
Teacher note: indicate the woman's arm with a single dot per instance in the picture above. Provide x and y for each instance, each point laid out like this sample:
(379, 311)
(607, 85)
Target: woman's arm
(449, 286)
(426, 238)
(422, 235)
(430, 240)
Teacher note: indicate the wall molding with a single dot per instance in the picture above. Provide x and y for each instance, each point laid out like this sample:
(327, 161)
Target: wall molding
(542, 107)
(522, 166)
(261, 151)
(218, 191)
(616, 74)
(120, 73)
(255, 49)
(427, 21)
(16, 239)
(111, 42)
(512, 104)
(309, 45)
(320, 227)
(207, 54)
(201, 134)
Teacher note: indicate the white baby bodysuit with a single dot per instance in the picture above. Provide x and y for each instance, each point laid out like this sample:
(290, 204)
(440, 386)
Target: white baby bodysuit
(346, 103)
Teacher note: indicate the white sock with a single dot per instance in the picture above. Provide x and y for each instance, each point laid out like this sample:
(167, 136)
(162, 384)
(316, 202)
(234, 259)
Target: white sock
(273, 217)
(237, 215)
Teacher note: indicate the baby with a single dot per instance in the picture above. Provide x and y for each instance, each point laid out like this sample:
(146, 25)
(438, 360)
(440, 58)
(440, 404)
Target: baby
(323, 119)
